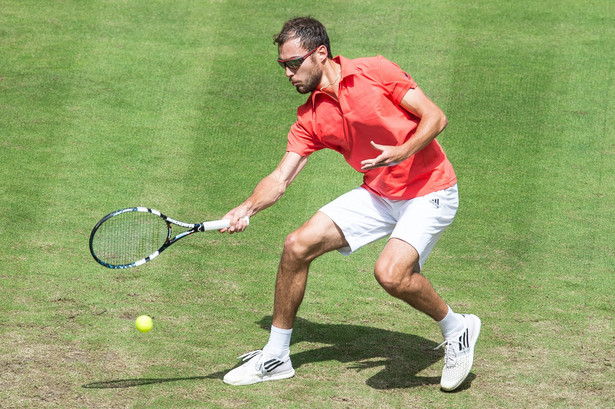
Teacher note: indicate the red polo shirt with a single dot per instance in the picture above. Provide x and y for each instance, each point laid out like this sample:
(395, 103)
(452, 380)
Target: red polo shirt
(370, 93)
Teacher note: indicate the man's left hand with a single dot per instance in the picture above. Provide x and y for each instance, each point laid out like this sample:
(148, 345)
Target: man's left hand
(390, 156)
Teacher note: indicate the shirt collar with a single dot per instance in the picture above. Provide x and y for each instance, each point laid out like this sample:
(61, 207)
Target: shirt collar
(348, 68)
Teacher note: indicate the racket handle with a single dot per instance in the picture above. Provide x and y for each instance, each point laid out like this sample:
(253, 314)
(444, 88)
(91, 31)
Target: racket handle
(218, 224)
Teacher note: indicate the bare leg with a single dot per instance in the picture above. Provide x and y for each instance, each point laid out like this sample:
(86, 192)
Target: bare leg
(394, 271)
(317, 236)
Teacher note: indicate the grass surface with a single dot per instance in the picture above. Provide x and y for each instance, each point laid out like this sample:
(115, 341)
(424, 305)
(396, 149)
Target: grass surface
(180, 106)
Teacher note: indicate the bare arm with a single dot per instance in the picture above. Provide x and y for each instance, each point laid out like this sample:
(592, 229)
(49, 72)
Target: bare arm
(432, 122)
(268, 191)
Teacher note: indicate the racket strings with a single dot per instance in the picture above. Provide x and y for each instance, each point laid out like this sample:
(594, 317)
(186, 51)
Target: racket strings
(129, 237)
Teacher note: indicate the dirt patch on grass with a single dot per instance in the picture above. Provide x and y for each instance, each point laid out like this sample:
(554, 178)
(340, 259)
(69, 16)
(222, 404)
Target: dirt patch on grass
(46, 372)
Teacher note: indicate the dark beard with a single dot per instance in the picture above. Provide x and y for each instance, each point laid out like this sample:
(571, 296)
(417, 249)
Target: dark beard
(311, 85)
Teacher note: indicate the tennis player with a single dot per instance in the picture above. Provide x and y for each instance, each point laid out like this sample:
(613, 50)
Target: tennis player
(376, 116)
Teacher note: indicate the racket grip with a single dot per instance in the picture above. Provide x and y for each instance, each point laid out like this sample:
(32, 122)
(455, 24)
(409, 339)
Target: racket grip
(218, 224)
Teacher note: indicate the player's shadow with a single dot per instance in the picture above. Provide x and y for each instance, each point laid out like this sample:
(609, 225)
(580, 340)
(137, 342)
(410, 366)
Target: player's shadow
(402, 356)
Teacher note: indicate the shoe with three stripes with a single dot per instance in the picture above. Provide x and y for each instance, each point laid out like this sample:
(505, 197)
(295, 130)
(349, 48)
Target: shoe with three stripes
(259, 366)
(459, 353)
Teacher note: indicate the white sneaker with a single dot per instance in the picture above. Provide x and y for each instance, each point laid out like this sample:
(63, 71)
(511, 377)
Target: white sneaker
(259, 367)
(459, 353)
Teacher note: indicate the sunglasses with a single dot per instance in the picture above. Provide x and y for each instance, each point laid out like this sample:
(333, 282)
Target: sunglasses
(293, 64)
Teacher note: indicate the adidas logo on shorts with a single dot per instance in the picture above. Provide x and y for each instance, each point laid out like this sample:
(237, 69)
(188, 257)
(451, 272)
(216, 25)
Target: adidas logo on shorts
(435, 202)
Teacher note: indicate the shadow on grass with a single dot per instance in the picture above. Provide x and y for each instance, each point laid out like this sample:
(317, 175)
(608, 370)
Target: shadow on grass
(401, 356)
(130, 383)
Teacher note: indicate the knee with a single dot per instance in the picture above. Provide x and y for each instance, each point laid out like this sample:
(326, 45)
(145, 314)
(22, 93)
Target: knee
(295, 246)
(394, 278)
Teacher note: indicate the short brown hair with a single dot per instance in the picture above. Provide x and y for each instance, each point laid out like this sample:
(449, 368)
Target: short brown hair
(310, 32)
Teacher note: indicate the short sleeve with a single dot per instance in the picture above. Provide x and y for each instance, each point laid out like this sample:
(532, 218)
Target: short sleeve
(395, 80)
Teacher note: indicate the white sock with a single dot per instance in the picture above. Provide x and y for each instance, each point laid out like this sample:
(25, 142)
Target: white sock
(451, 324)
(279, 341)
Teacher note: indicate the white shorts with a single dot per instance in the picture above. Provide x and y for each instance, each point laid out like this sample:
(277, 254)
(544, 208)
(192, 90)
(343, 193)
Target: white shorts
(365, 217)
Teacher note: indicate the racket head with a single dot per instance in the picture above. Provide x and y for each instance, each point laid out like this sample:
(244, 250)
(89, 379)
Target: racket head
(129, 237)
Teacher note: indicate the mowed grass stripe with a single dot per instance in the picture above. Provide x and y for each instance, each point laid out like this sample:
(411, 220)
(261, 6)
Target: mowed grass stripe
(35, 110)
(33, 101)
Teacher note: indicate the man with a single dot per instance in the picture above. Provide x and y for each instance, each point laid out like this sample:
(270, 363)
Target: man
(375, 115)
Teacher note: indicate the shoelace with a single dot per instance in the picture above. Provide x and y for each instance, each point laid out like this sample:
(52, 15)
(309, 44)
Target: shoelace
(450, 351)
(259, 363)
(249, 355)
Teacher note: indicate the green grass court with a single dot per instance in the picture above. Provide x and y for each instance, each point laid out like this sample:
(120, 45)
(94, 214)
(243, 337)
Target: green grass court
(180, 106)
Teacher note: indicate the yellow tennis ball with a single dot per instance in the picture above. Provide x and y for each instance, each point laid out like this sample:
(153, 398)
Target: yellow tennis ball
(144, 323)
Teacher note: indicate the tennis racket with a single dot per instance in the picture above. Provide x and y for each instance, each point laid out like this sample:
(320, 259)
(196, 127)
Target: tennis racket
(133, 236)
